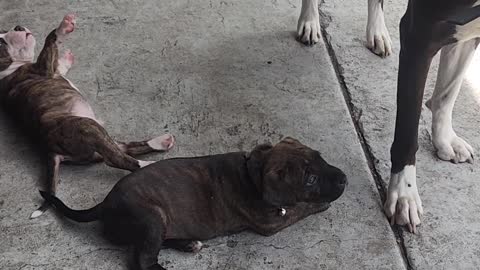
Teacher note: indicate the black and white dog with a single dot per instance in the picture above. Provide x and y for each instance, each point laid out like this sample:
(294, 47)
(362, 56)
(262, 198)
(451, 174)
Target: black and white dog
(426, 27)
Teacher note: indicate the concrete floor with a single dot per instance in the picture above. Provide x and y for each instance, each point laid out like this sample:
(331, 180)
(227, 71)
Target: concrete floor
(224, 76)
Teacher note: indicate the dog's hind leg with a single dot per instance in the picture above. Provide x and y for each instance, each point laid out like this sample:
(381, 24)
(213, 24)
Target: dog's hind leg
(53, 164)
(158, 144)
(149, 242)
(184, 245)
(454, 61)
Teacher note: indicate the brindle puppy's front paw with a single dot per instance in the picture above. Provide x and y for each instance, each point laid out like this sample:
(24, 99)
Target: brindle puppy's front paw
(67, 25)
(403, 205)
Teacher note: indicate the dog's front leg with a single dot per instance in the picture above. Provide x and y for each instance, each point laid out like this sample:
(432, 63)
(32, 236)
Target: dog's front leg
(403, 204)
(378, 38)
(308, 27)
(48, 62)
(53, 165)
(272, 223)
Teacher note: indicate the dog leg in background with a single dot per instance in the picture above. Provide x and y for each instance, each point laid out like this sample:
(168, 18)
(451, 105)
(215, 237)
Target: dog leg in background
(378, 38)
(47, 61)
(158, 144)
(53, 164)
(308, 27)
(454, 61)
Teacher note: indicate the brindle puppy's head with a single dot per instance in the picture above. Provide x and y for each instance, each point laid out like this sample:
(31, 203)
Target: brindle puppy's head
(17, 44)
(291, 172)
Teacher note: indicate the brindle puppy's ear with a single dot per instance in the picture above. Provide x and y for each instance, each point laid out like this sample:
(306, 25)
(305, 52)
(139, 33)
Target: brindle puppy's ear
(276, 190)
(255, 163)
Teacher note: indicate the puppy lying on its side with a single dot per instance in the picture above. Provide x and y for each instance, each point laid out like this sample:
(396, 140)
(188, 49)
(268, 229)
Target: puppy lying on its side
(177, 202)
(52, 109)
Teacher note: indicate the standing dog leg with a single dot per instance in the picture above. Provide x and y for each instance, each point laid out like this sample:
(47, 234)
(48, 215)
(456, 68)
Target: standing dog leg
(53, 164)
(158, 144)
(308, 27)
(454, 61)
(378, 38)
(403, 204)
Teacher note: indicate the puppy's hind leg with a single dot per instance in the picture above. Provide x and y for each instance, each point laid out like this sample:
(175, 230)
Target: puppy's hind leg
(158, 144)
(53, 165)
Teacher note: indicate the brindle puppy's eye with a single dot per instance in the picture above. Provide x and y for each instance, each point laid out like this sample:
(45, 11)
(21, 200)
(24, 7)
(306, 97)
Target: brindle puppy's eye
(2, 42)
(311, 180)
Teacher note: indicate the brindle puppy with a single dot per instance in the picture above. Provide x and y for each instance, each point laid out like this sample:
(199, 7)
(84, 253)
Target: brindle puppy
(38, 96)
(178, 202)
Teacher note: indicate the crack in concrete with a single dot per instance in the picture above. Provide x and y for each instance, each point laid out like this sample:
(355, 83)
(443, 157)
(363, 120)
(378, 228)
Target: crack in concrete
(355, 114)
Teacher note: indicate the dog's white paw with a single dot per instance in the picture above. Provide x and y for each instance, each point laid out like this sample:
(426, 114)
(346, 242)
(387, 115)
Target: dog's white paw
(162, 143)
(452, 148)
(378, 38)
(403, 205)
(308, 27)
(36, 214)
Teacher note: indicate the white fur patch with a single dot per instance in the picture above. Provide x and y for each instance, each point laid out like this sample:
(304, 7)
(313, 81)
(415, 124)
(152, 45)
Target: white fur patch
(403, 204)
(36, 214)
(378, 38)
(143, 163)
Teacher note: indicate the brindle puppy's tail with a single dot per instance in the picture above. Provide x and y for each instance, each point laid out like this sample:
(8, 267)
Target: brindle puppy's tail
(87, 215)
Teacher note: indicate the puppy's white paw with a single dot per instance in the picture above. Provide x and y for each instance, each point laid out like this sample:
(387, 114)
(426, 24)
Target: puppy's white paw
(452, 148)
(378, 38)
(67, 25)
(36, 214)
(308, 27)
(162, 143)
(403, 205)
(143, 163)
(196, 246)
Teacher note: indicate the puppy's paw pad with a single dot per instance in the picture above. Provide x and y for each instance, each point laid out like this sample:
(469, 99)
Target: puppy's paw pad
(67, 25)
(162, 143)
(456, 150)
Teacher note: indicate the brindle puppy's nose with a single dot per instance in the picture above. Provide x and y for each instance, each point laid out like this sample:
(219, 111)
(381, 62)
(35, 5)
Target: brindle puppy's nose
(19, 28)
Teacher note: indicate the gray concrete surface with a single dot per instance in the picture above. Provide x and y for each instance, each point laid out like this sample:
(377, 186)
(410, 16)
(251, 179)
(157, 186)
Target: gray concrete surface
(223, 76)
(450, 234)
